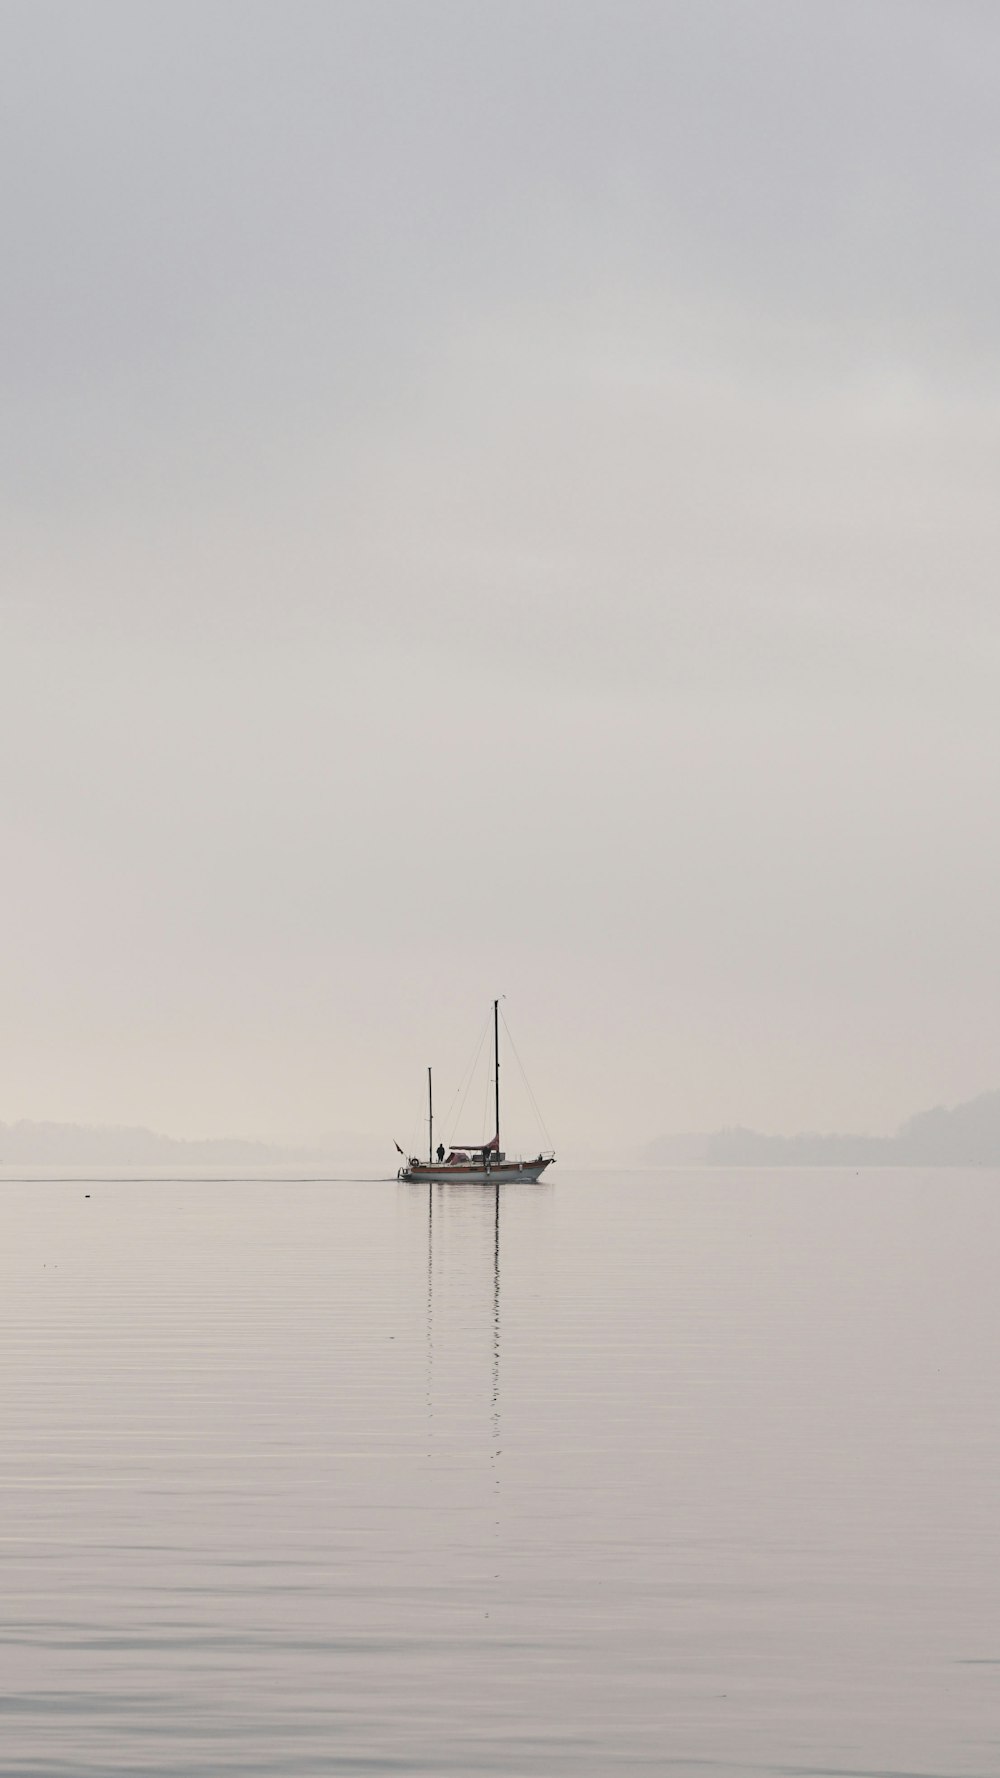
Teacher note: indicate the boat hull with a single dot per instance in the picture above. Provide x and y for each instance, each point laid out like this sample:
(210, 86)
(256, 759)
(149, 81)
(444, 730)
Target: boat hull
(504, 1173)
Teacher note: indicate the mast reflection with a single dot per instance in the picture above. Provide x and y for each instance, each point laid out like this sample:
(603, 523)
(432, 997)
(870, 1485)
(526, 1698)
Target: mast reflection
(464, 1199)
(496, 1319)
(430, 1302)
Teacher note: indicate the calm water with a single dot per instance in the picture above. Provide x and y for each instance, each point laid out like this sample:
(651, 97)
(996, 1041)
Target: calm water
(661, 1473)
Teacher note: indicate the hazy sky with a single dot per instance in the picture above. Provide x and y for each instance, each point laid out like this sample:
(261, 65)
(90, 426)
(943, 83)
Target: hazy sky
(499, 498)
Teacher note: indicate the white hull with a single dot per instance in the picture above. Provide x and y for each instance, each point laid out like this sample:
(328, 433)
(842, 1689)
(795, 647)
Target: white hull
(504, 1173)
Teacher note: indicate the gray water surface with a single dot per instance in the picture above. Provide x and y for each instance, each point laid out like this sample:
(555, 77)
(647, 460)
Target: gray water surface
(677, 1472)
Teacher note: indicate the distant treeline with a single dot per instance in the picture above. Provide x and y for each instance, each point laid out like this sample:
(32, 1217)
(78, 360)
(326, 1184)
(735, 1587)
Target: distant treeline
(28, 1144)
(966, 1135)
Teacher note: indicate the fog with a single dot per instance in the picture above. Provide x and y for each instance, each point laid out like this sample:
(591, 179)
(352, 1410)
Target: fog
(499, 499)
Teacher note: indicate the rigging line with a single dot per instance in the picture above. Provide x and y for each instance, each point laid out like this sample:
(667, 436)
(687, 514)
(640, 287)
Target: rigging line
(486, 1107)
(467, 1072)
(416, 1142)
(471, 1076)
(534, 1102)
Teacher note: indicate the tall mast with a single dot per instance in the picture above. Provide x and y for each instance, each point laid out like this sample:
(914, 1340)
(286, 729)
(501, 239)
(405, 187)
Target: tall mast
(496, 1063)
(430, 1121)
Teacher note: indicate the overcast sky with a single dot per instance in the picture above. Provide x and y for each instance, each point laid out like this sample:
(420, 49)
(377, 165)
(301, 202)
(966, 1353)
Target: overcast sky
(499, 498)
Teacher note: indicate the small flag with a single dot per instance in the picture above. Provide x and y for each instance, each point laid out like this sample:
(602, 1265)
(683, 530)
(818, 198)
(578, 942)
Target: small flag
(398, 1149)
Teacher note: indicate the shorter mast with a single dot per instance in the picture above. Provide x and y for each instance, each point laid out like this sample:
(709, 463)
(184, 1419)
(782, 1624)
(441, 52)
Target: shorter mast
(496, 1064)
(430, 1121)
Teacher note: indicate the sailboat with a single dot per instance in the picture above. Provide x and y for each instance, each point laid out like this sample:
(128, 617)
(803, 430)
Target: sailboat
(473, 1163)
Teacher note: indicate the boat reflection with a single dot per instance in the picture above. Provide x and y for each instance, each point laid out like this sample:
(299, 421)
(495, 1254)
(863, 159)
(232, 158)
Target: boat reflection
(469, 1255)
(462, 1211)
